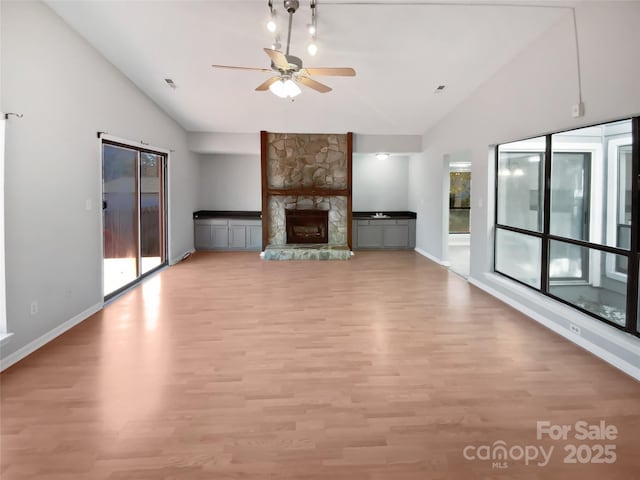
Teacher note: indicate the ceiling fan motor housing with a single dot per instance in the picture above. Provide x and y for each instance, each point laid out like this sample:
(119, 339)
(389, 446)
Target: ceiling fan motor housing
(295, 63)
(291, 5)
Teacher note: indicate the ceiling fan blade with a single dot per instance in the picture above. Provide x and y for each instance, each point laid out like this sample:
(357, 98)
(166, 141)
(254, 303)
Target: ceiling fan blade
(319, 87)
(266, 84)
(331, 72)
(243, 68)
(278, 59)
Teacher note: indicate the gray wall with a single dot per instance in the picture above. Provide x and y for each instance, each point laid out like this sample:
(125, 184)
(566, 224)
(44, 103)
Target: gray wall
(531, 95)
(380, 185)
(67, 92)
(232, 182)
(229, 182)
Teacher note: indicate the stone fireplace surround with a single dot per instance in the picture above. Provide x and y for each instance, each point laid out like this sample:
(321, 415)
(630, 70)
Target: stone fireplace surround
(306, 172)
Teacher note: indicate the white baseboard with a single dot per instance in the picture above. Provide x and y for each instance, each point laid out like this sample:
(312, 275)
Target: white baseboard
(607, 356)
(28, 349)
(175, 260)
(444, 263)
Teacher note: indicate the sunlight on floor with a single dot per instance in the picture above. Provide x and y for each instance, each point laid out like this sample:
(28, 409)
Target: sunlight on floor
(118, 272)
(459, 257)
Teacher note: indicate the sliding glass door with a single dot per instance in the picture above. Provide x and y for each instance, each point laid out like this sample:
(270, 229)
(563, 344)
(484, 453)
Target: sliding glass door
(133, 206)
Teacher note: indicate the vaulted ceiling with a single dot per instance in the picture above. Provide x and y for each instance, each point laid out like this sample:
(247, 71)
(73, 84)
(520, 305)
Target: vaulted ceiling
(401, 51)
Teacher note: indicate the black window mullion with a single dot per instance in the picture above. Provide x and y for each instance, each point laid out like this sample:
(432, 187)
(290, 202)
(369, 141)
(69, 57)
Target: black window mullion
(546, 217)
(495, 205)
(632, 264)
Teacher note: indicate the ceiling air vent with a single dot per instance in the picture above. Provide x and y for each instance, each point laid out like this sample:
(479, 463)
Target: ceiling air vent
(170, 83)
(439, 89)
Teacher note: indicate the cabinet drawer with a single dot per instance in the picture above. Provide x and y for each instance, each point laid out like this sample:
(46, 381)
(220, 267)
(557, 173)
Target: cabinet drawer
(211, 221)
(244, 223)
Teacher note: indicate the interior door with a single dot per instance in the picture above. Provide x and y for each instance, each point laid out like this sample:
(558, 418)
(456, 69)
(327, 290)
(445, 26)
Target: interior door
(570, 200)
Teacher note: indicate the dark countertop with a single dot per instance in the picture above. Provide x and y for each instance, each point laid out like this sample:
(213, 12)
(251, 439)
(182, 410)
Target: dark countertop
(256, 215)
(390, 215)
(244, 214)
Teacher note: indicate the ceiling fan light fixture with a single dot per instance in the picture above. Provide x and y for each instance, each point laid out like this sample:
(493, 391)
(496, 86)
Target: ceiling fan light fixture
(277, 88)
(291, 88)
(285, 89)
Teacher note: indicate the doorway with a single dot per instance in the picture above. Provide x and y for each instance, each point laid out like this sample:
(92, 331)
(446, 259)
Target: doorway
(134, 214)
(459, 238)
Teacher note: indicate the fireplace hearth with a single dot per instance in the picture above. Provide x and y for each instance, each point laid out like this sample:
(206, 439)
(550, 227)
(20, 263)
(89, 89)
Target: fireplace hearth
(307, 226)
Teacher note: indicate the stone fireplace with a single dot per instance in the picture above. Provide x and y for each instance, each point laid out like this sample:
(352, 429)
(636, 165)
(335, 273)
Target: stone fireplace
(307, 226)
(306, 189)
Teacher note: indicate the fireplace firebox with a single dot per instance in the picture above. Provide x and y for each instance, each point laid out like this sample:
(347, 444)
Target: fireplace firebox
(307, 226)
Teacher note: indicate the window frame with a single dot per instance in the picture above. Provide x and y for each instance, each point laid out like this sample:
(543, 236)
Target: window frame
(632, 255)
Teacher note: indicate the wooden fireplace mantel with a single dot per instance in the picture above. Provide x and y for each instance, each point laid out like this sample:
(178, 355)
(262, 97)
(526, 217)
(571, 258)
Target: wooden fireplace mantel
(302, 191)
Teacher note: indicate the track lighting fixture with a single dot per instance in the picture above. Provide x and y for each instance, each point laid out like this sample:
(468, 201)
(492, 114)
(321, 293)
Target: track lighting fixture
(272, 26)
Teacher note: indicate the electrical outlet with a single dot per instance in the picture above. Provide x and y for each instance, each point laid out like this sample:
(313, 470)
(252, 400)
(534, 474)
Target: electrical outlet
(574, 328)
(34, 308)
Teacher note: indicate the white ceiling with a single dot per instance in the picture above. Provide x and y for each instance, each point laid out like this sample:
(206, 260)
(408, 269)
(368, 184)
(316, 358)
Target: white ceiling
(401, 52)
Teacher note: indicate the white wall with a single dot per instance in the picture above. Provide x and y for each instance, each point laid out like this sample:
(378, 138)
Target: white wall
(224, 143)
(230, 182)
(530, 96)
(380, 185)
(67, 92)
(363, 143)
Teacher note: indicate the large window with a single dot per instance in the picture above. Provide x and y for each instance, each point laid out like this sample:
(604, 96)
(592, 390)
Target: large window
(565, 222)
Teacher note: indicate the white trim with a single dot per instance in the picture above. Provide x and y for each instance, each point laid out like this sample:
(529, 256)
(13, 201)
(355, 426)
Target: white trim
(613, 196)
(4, 338)
(3, 285)
(175, 260)
(124, 141)
(444, 263)
(31, 347)
(621, 339)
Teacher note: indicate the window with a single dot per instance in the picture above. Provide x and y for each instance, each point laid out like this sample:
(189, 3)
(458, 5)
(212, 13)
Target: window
(564, 219)
(520, 174)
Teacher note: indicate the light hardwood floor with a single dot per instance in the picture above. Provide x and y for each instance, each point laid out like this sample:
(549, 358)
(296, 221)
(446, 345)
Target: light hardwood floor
(383, 367)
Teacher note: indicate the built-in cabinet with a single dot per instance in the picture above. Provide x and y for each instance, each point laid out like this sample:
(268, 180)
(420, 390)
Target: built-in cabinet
(227, 234)
(384, 233)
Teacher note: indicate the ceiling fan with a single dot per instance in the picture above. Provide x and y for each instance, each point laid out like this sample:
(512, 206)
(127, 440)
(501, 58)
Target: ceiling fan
(289, 68)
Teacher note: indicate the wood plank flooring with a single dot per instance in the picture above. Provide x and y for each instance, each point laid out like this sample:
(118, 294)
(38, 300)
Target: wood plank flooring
(383, 367)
